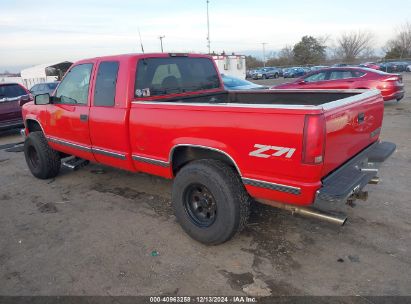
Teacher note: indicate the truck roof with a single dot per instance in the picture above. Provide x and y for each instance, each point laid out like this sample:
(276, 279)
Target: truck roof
(121, 57)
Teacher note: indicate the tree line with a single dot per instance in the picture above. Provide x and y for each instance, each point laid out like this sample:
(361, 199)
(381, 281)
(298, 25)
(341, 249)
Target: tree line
(349, 48)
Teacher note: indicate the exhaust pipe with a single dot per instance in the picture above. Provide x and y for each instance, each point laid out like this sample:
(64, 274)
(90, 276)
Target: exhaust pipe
(309, 212)
(375, 180)
(362, 195)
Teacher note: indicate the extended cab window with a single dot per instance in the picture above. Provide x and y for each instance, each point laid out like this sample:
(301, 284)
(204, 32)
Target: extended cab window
(105, 90)
(74, 88)
(162, 76)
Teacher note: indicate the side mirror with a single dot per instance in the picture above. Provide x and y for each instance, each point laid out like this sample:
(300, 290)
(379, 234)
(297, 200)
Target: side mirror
(42, 99)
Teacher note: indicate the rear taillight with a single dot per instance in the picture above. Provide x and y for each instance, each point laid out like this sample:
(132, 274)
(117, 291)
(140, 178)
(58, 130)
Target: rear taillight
(313, 139)
(393, 78)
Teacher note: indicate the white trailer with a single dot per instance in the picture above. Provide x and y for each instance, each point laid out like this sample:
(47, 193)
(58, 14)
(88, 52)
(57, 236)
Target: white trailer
(44, 73)
(233, 65)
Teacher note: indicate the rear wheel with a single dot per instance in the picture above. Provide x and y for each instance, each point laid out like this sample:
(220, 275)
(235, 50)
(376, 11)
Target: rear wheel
(43, 161)
(210, 201)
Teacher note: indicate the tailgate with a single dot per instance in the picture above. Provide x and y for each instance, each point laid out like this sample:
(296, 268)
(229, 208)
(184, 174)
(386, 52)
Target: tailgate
(352, 124)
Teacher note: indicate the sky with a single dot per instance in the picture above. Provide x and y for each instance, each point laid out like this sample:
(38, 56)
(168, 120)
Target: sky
(44, 31)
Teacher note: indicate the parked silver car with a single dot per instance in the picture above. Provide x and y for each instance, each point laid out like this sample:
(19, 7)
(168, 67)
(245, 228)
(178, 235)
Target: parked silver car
(266, 73)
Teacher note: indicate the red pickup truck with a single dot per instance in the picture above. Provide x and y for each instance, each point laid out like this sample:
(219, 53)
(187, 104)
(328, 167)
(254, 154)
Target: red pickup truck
(168, 114)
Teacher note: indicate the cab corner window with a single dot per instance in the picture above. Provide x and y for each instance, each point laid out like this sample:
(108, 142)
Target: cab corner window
(105, 90)
(74, 88)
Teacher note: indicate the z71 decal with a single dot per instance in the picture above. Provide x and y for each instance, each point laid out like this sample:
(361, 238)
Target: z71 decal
(265, 151)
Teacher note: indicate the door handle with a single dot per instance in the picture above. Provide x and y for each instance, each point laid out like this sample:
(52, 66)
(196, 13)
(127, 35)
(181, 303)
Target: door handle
(83, 117)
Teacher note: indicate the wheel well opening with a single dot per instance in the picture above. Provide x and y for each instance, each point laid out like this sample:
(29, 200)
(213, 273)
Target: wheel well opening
(33, 126)
(185, 154)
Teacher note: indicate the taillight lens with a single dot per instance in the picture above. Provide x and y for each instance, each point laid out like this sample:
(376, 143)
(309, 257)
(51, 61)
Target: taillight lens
(393, 78)
(313, 139)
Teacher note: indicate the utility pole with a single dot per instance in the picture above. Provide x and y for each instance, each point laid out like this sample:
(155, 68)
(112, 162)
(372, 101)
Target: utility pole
(208, 31)
(264, 43)
(161, 42)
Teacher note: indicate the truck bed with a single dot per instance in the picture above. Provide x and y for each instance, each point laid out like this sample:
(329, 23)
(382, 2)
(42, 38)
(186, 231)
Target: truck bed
(238, 121)
(274, 97)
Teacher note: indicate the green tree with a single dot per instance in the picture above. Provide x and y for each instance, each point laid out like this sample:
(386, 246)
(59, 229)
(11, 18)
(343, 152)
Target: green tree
(400, 46)
(285, 57)
(253, 62)
(394, 52)
(309, 51)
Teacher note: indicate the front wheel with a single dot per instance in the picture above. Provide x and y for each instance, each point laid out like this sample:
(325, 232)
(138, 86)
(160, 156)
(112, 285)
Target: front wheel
(210, 201)
(43, 161)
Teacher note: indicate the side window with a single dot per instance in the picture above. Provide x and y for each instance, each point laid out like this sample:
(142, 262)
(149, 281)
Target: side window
(74, 88)
(357, 74)
(340, 75)
(315, 77)
(105, 90)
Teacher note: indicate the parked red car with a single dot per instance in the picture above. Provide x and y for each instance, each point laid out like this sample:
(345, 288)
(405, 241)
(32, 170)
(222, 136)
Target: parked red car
(370, 65)
(390, 85)
(12, 97)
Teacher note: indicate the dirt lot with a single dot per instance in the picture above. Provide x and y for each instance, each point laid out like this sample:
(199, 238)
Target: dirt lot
(102, 231)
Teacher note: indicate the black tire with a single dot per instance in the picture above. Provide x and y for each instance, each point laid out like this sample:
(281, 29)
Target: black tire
(264, 76)
(276, 75)
(43, 161)
(228, 198)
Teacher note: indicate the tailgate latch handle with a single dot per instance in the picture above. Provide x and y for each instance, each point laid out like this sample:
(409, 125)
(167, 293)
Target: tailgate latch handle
(360, 117)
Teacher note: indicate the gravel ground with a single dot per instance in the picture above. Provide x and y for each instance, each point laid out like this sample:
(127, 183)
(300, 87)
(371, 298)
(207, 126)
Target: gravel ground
(102, 231)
